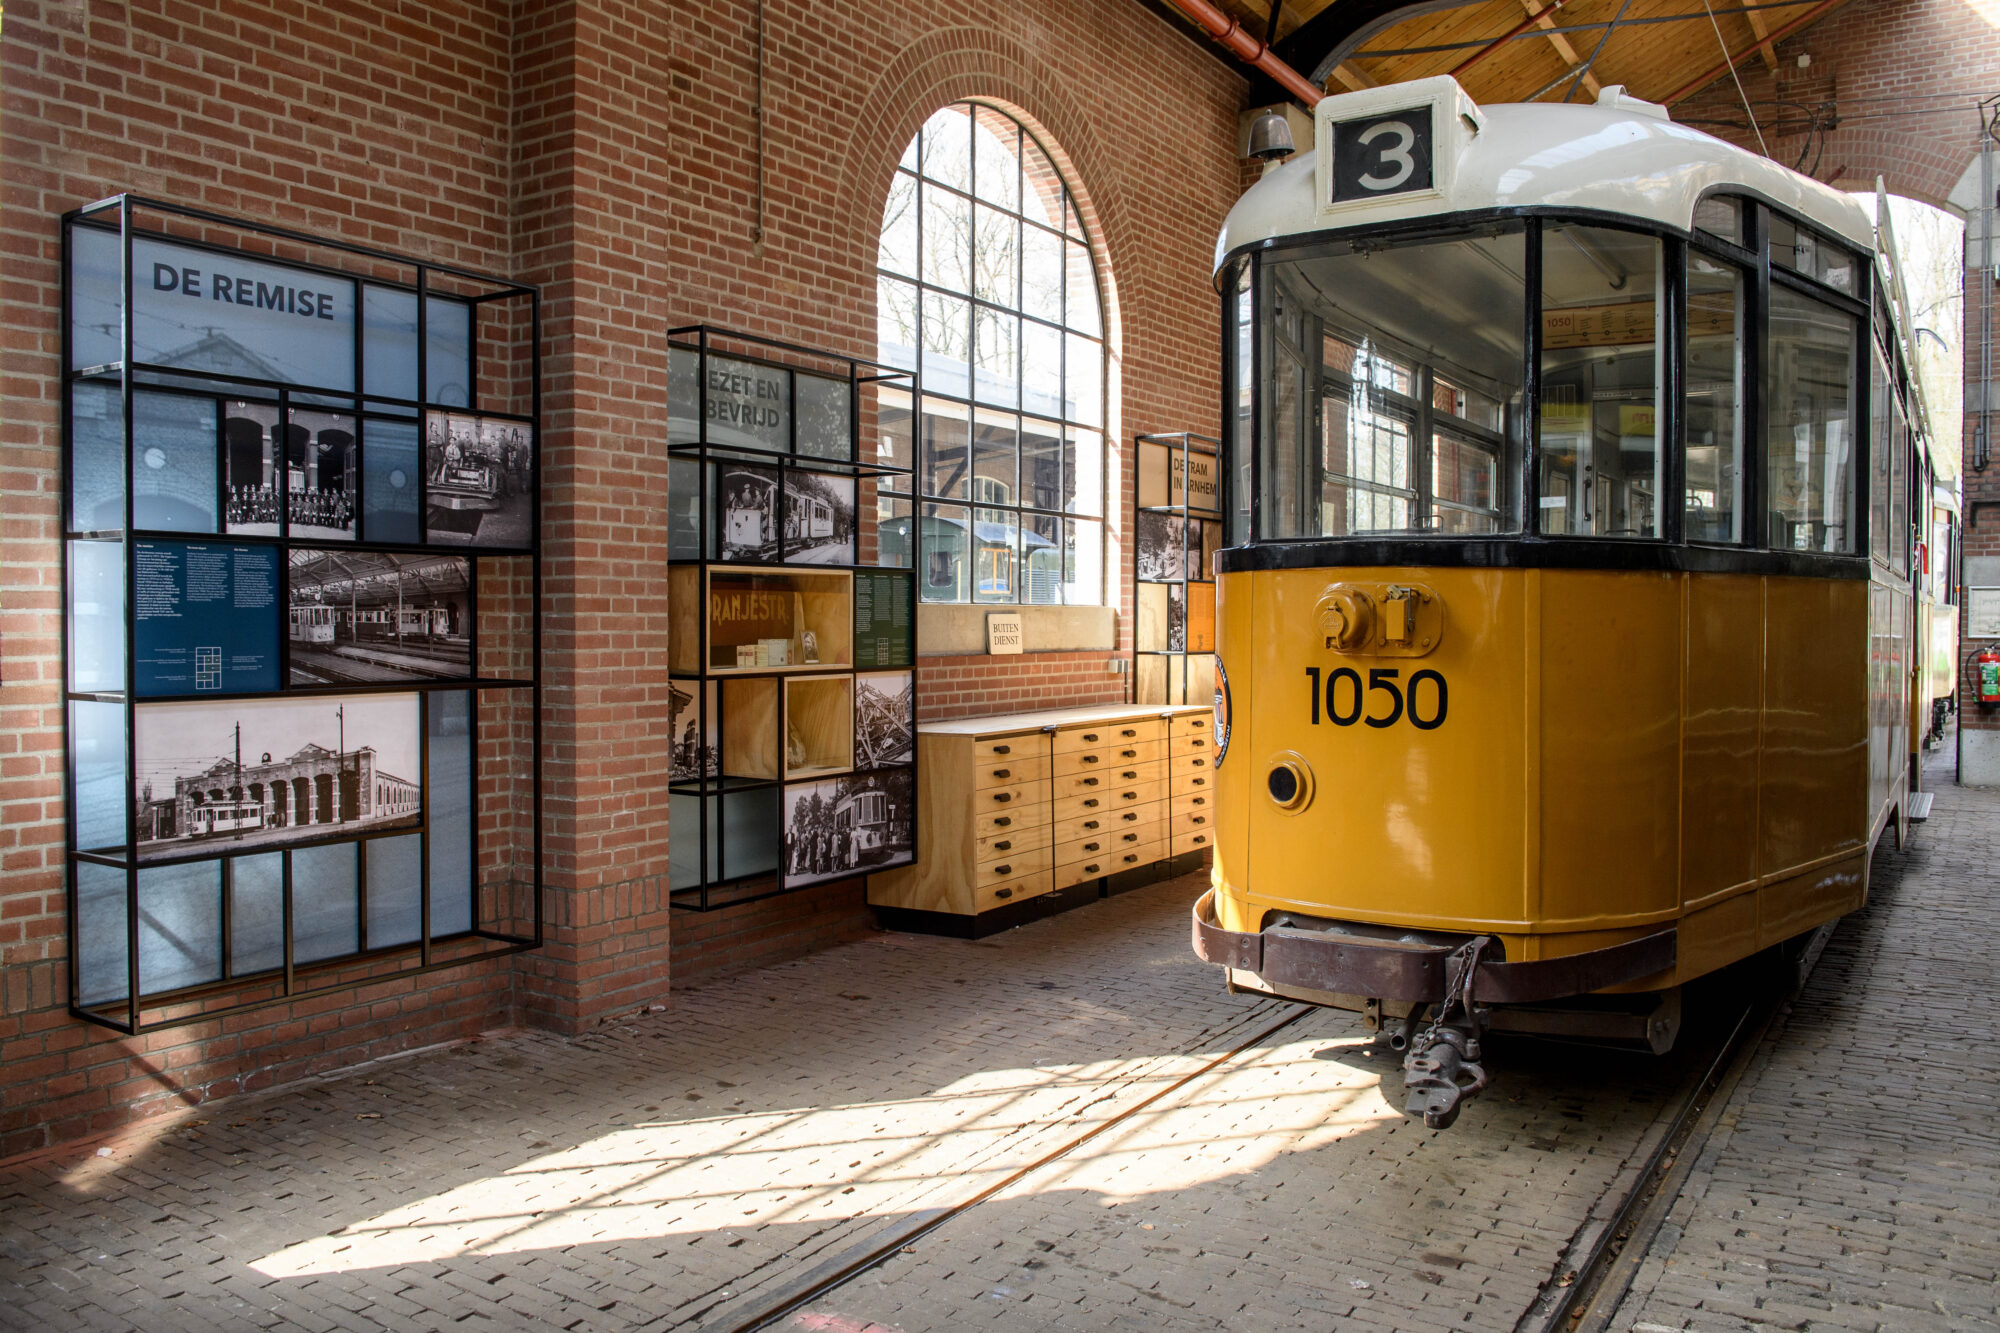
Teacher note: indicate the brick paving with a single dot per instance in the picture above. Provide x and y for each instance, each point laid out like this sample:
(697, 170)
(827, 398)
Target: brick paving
(674, 1169)
(1854, 1179)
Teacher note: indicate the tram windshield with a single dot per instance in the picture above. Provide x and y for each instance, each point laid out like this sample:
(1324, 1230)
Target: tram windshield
(1392, 388)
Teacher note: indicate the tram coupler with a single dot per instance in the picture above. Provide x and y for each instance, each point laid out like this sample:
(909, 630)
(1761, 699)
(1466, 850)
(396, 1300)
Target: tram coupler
(1443, 1068)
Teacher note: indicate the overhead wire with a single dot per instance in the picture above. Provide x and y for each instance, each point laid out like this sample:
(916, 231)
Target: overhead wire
(1730, 61)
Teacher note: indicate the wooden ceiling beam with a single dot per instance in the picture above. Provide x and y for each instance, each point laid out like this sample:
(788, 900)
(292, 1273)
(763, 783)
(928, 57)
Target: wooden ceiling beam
(1770, 53)
(1543, 17)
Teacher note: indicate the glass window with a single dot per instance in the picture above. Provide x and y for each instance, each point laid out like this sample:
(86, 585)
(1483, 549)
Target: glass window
(1881, 400)
(1808, 404)
(1715, 367)
(1392, 388)
(1719, 216)
(987, 285)
(1601, 469)
(1806, 252)
(1899, 487)
(1238, 427)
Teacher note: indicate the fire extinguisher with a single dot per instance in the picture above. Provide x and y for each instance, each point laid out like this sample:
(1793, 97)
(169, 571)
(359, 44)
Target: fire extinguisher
(1986, 676)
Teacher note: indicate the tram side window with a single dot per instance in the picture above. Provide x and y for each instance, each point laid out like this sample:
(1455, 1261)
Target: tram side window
(1602, 467)
(1899, 489)
(1809, 442)
(1392, 388)
(1881, 398)
(1242, 387)
(1715, 362)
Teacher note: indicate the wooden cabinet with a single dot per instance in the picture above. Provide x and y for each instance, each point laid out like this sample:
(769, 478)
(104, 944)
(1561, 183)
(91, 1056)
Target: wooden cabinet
(1030, 813)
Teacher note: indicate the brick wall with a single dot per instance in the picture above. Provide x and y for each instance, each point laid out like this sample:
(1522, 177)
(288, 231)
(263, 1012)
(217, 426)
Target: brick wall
(1905, 80)
(602, 150)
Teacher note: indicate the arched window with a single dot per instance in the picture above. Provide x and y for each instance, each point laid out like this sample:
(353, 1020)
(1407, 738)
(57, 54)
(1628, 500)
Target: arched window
(986, 287)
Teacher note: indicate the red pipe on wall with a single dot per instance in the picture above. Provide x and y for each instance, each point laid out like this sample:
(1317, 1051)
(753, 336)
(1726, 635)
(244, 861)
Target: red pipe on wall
(1225, 29)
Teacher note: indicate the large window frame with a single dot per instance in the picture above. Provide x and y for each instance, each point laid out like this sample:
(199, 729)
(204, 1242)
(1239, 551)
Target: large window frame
(1007, 502)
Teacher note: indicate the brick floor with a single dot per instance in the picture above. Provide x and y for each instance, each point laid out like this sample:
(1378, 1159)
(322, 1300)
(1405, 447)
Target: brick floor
(1854, 1180)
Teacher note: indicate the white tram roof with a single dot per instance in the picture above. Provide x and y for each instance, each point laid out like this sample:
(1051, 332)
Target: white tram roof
(1620, 156)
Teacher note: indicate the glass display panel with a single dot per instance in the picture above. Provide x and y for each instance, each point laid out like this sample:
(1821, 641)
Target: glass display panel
(253, 445)
(96, 616)
(824, 411)
(205, 618)
(448, 717)
(97, 459)
(326, 902)
(1716, 356)
(395, 890)
(1602, 466)
(1808, 405)
(849, 825)
(320, 483)
(389, 482)
(256, 913)
(389, 346)
(100, 937)
(1351, 442)
(97, 770)
(180, 926)
(173, 462)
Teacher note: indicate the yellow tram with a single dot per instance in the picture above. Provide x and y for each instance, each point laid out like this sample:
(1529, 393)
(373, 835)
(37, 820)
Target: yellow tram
(1567, 625)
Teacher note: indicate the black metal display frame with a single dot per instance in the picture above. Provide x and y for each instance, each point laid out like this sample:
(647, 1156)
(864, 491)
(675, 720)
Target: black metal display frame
(1175, 664)
(224, 238)
(699, 552)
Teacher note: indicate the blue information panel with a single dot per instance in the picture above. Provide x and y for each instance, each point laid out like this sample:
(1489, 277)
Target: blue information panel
(205, 618)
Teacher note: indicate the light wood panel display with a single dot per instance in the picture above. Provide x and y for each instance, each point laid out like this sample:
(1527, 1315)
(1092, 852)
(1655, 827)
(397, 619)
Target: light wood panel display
(1016, 808)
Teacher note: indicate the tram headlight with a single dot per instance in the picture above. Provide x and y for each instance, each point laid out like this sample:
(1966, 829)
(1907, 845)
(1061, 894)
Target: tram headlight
(1290, 782)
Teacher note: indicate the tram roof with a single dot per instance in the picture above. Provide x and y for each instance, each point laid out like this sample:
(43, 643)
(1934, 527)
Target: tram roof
(1620, 156)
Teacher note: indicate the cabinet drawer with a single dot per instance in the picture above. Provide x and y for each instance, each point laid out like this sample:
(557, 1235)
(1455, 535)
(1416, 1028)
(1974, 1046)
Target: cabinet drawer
(1190, 724)
(1197, 742)
(1031, 745)
(1111, 779)
(1197, 802)
(998, 845)
(1076, 872)
(1199, 763)
(1199, 841)
(1108, 733)
(1109, 757)
(1021, 796)
(1008, 772)
(1139, 854)
(1123, 838)
(986, 897)
(1018, 817)
(1194, 781)
(1115, 802)
(1081, 828)
(1010, 865)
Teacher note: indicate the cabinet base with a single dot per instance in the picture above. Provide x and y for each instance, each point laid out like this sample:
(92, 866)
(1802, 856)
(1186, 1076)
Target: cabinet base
(979, 925)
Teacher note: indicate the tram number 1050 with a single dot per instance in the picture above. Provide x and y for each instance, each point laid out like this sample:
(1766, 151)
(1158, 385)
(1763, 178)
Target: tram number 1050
(1423, 699)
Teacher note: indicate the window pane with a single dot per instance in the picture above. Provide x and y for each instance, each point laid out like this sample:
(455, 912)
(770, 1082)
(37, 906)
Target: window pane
(996, 543)
(1881, 401)
(947, 240)
(256, 913)
(894, 546)
(946, 554)
(910, 160)
(1041, 369)
(1341, 330)
(945, 445)
(1042, 189)
(1083, 472)
(948, 147)
(1080, 291)
(1239, 426)
(1083, 562)
(993, 266)
(892, 435)
(1071, 223)
(326, 904)
(1808, 401)
(1041, 464)
(1714, 498)
(1083, 380)
(1719, 217)
(896, 323)
(947, 344)
(1041, 559)
(1899, 487)
(993, 459)
(898, 250)
(997, 370)
(1601, 460)
(1041, 274)
(996, 170)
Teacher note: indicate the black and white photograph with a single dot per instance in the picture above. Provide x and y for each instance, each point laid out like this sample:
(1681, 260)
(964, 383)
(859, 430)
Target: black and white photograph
(480, 474)
(746, 504)
(376, 617)
(320, 476)
(885, 719)
(693, 754)
(849, 826)
(823, 410)
(250, 437)
(1162, 552)
(247, 774)
(819, 519)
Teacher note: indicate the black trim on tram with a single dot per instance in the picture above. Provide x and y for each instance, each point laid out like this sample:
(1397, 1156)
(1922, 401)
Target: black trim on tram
(1577, 553)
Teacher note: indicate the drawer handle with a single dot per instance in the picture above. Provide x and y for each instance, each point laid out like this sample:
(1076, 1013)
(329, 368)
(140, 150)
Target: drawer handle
(1090, 804)
(1200, 837)
(1003, 893)
(1090, 823)
(1003, 772)
(1090, 869)
(1090, 846)
(1129, 795)
(1131, 857)
(1003, 749)
(1131, 837)
(1130, 776)
(1090, 759)
(1129, 815)
(1090, 735)
(1197, 800)
(1090, 782)
(1003, 870)
(1003, 797)
(1199, 782)
(1128, 732)
(1008, 846)
(1128, 754)
(1003, 821)
(1199, 762)
(1197, 819)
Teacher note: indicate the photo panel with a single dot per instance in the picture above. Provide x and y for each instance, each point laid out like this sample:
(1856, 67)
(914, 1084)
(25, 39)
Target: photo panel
(885, 719)
(849, 826)
(251, 438)
(819, 519)
(693, 753)
(746, 512)
(480, 479)
(232, 776)
(1162, 548)
(376, 617)
(884, 619)
(824, 412)
(320, 475)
